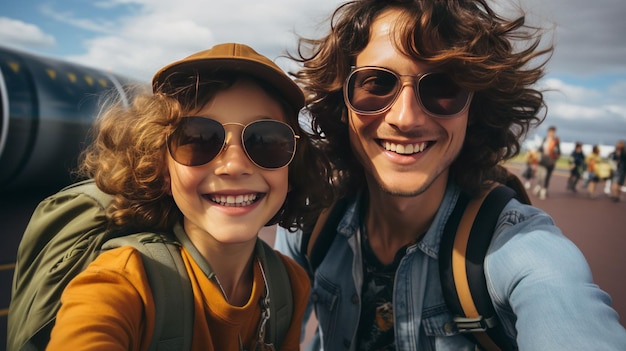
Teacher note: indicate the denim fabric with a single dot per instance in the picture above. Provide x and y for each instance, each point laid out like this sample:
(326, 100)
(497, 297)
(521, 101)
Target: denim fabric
(540, 284)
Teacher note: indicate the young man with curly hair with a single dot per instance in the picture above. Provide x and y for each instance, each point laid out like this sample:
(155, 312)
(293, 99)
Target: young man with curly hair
(417, 102)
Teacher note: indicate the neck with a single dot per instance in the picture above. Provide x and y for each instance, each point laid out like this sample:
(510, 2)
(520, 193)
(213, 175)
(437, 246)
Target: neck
(393, 222)
(232, 264)
(235, 279)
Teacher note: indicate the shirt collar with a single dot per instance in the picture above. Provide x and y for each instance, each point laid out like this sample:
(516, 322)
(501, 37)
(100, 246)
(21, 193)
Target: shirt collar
(350, 222)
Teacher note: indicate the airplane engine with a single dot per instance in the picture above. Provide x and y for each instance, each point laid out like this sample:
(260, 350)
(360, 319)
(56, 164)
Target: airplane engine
(47, 107)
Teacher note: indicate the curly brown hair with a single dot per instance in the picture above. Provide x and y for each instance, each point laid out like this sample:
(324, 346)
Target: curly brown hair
(128, 159)
(478, 48)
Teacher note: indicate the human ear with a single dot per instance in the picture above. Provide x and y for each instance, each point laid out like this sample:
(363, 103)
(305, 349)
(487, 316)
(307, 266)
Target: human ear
(167, 183)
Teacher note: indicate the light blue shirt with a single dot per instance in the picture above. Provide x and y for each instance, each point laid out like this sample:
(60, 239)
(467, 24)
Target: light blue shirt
(539, 281)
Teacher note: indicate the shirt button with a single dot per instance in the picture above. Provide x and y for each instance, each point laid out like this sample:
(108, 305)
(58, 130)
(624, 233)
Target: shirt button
(448, 327)
(355, 299)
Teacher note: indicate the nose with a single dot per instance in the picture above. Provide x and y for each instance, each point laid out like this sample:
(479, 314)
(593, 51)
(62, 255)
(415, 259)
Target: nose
(233, 160)
(406, 113)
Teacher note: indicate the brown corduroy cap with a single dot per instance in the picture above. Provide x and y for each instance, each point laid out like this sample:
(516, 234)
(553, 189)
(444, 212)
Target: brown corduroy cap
(236, 57)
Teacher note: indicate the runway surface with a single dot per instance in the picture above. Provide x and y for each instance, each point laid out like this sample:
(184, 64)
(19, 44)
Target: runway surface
(596, 225)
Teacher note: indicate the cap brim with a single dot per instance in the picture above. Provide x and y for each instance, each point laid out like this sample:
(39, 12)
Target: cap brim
(285, 85)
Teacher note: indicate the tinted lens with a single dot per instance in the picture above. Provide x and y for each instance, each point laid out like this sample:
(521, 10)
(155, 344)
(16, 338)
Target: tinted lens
(371, 90)
(441, 96)
(196, 141)
(269, 143)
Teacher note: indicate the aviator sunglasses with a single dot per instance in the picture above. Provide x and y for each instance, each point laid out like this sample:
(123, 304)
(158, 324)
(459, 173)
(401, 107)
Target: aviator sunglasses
(371, 90)
(268, 143)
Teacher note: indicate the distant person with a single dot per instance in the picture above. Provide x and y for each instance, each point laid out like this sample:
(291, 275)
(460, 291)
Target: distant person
(550, 151)
(576, 166)
(618, 165)
(593, 163)
(531, 159)
(212, 156)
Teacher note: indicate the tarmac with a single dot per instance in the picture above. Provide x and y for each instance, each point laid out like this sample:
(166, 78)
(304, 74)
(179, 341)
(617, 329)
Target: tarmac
(596, 225)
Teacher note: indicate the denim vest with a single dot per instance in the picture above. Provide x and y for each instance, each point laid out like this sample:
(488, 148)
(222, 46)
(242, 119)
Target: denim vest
(539, 282)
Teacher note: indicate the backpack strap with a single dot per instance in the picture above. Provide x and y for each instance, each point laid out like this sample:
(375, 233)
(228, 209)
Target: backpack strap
(164, 265)
(317, 242)
(466, 239)
(278, 282)
(170, 286)
(281, 296)
(89, 188)
(513, 182)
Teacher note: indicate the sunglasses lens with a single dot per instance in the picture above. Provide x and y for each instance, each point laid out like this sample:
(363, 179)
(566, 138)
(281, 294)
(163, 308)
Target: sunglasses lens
(441, 96)
(269, 143)
(371, 90)
(196, 141)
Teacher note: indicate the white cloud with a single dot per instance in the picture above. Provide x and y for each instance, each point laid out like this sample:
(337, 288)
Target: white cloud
(573, 102)
(23, 34)
(576, 112)
(561, 91)
(143, 47)
(96, 25)
(589, 114)
(158, 32)
(618, 110)
(618, 89)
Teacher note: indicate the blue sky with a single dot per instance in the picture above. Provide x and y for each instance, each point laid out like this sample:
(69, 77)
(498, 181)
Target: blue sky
(137, 37)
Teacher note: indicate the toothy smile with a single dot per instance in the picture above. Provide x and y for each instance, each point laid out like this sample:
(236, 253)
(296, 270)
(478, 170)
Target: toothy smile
(404, 149)
(234, 200)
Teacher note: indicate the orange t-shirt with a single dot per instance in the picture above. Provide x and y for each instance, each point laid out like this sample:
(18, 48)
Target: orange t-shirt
(109, 307)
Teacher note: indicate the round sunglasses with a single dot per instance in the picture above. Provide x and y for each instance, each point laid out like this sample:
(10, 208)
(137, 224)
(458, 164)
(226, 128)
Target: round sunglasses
(268, 143)
(371, 90)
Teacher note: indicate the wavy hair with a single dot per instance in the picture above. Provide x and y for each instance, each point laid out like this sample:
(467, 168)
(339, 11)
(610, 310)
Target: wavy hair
(499, 59)
(128, 159)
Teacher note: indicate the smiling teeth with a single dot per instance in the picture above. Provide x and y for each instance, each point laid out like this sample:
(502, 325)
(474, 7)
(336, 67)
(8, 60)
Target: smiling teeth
(234, 200)
(404, 149)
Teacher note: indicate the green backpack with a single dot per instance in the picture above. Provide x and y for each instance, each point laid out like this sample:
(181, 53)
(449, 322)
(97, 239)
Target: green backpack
(69, 229)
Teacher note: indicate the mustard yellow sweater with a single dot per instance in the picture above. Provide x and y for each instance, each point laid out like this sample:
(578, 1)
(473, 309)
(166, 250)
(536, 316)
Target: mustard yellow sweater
(109, 307)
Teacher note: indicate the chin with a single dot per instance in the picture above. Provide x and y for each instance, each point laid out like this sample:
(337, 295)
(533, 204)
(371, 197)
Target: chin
(235, 234)
(236, 239)
(403, 192)
(401, 188)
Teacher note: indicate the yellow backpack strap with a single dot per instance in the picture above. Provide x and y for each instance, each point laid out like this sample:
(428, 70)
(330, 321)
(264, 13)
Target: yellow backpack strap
(461, 279)
(465, 242)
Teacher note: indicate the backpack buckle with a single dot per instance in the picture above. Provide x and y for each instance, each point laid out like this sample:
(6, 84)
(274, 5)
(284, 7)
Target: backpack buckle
(265, 317)
(474, 324)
